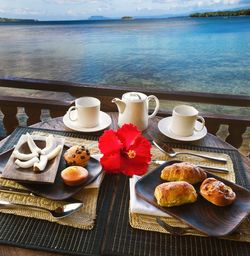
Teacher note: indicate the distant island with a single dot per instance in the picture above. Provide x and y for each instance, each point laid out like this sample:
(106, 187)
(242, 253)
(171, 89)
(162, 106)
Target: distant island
(17, 20)
(244, 12)
(99, 17)
(107, 18)
(127, 18)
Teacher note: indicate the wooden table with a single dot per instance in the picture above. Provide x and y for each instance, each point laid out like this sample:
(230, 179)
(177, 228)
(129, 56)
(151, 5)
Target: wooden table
(57, 124)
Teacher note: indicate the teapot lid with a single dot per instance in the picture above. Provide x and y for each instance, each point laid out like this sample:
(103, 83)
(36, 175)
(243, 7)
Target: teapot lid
(134, 96)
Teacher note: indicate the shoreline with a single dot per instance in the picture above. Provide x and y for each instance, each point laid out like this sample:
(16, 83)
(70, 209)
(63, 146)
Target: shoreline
(118, 20)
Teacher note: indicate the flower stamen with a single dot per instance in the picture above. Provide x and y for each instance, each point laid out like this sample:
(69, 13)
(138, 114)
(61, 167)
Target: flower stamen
(131, 154)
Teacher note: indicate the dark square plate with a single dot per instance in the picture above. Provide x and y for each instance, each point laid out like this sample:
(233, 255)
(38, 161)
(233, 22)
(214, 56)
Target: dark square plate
(48, 175)
(202, 215)
(57, 190)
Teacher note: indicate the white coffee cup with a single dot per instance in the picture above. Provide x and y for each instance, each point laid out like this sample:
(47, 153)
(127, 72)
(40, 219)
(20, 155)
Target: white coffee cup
(184, 120)
(87, 112)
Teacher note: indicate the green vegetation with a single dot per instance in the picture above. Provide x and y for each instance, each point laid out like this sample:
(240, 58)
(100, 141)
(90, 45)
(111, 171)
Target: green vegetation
(16, 20)
(243, 12)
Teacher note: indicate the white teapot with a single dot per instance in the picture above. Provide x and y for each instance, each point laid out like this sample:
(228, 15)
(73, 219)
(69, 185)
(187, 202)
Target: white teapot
(133, 108)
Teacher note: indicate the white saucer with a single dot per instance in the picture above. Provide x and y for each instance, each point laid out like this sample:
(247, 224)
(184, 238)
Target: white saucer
(164, 125)
(104, 122)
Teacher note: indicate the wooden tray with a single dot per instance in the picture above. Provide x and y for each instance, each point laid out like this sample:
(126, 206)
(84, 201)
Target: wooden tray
(28, 175)
(202, 215)
(58, 190)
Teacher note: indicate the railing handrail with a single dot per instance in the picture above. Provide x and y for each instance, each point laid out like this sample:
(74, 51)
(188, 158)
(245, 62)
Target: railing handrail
(76, 89)
(66, 92)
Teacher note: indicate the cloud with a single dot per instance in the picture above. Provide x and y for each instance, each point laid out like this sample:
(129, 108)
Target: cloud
(143, 9)
(19, 11)
(62, 2)
(194, 2)
(66, 1)
(244, 2)
(183, 3)
(25, 11)
(196, 5)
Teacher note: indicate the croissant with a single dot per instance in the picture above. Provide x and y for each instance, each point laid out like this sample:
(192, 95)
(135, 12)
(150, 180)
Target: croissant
(175, 193)
(185, 172)
(217, 192)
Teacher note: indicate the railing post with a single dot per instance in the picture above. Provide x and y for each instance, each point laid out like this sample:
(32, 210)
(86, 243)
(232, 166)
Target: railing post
(235, 134)
(34, 115)
(10, 120)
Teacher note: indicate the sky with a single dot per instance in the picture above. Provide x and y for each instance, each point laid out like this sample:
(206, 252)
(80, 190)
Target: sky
(83, 9)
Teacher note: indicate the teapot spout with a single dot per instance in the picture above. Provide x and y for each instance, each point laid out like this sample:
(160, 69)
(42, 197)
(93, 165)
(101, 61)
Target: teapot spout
(121, 105)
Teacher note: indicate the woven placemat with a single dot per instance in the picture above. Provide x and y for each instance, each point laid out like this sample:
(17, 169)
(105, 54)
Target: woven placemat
(45, 235)
(122, 239)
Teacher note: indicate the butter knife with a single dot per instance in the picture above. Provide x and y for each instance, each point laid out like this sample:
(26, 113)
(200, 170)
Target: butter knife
(208, 168)
(16, 190)
(30, 193)
(172, 230)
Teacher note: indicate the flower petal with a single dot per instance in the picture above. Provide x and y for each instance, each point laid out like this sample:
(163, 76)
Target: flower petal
(111, 163)
(131, 167)
(142, 150)
(125, 151)
(128, 134)
(109, 142)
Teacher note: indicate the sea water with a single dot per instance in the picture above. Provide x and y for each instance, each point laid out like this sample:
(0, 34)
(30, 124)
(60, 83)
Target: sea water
(191, 54)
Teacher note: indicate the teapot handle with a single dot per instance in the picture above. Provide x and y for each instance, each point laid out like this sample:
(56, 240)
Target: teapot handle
(157, 105)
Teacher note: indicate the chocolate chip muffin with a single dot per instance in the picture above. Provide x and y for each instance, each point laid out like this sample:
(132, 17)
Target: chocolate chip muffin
(77, 155)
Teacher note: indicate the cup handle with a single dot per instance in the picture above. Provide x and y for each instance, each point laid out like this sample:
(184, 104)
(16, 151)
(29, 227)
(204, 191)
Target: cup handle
(69, 112)
(157, 105)
(202, 122)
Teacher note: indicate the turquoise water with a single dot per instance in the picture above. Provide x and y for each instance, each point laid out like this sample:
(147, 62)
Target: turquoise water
(192, 54)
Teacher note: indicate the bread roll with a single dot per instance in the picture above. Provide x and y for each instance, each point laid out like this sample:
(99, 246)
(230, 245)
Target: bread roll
(175, 193)
(217, 192)
(185, 172)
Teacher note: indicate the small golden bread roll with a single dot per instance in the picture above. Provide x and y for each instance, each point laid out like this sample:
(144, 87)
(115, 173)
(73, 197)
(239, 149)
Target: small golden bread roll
(77, 155)
(175, 193)
(217, 192)
(74, 175)
(183, 172)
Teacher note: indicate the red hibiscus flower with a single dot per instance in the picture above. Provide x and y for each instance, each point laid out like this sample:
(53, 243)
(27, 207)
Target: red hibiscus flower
(125, 151)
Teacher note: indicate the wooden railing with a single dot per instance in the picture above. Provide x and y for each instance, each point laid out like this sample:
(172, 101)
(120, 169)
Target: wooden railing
(59, 103)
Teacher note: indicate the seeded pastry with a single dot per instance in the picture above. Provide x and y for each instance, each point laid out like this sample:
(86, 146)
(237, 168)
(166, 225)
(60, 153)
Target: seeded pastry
(217, 192)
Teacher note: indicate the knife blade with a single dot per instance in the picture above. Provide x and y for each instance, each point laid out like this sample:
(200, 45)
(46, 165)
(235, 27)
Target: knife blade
(16, 190)
(208, 168)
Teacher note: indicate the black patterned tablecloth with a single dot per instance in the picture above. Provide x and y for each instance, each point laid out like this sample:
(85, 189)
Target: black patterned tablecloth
(112, 234)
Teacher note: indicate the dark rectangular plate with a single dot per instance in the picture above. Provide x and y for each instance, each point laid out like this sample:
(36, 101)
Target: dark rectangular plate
(202, 215)
(58, 190)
